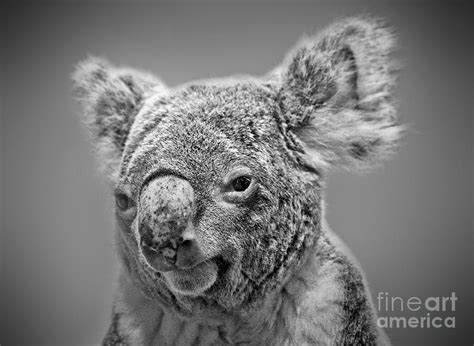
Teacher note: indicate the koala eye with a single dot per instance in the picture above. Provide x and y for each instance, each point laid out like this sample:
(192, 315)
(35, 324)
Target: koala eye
(123, 202)
(241, 184)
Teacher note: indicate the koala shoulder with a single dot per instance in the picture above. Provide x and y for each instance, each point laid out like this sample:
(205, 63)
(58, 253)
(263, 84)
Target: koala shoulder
(328, 299)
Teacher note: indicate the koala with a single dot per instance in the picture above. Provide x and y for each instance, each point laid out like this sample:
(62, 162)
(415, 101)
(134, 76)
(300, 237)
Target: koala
(219, 185)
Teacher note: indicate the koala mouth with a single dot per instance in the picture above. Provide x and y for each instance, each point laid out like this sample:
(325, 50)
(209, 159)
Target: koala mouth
(192, 281)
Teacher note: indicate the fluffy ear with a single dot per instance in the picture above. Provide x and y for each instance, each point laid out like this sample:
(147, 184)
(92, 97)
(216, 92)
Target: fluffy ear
(110, 98)
(337, 94)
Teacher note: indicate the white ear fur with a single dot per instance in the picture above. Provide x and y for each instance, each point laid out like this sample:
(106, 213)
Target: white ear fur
(337, 90)
(110, 98)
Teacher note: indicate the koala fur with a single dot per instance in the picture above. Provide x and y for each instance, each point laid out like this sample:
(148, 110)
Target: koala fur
(264, 267)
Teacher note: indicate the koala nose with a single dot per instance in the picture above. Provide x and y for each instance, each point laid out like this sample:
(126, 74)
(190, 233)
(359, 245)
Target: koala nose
(167, 237)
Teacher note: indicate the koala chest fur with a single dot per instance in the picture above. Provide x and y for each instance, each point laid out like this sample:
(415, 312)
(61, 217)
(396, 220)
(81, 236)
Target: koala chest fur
(311, 308)
(219, 193)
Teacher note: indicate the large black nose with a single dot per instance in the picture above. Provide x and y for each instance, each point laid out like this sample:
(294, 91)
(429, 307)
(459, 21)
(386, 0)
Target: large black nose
(167, 235)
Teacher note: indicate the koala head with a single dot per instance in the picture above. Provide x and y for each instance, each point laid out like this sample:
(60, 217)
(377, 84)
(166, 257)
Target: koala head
(218, 183)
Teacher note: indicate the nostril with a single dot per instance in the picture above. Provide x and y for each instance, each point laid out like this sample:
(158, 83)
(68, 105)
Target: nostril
(186, 243)
(188, 254)
(147, 240)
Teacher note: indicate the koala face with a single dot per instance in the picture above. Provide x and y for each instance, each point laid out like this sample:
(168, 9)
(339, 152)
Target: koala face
(221, 210)
(218, 183)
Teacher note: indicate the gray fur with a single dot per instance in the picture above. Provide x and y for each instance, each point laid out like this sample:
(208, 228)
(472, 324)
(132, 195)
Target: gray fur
(275, 273)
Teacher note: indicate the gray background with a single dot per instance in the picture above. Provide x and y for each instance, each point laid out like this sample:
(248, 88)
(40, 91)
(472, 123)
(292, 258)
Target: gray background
(409, 223)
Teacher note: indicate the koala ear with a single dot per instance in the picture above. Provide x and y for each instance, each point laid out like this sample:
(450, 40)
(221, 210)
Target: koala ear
(110, 98)
(337, 94)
